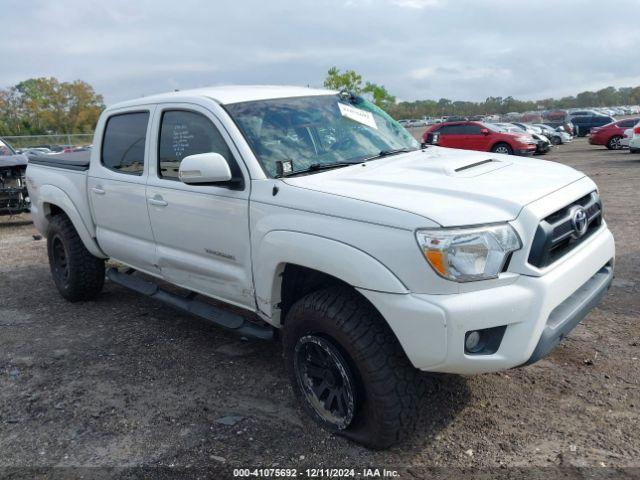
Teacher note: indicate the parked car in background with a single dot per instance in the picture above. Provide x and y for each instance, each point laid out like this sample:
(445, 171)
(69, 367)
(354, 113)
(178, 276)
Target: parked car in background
(552, 134)
(582, 113)
(14, 197)
(626, 137)
(634, 139)
(456, 118)
(584, 123)
(36, 151)
(543, 144)
(611, 134)
(485, 137)
(562, 126)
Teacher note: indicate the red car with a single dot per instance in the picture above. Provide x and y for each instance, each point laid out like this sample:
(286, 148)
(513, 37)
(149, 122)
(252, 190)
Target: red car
(479, 136)
(610, 134)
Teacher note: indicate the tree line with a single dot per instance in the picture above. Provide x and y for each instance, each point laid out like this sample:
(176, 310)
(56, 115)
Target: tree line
(352, 81)
(39, 106)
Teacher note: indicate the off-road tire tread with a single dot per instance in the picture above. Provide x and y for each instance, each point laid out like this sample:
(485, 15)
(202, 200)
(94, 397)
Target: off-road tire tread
(86, 272)
(394, 388)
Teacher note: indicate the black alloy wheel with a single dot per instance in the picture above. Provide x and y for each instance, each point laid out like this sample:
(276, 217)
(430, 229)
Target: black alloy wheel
(326, 380)
(59, 259)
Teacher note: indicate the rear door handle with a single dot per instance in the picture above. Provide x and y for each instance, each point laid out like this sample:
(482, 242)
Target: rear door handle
(98, 191)
(158, 201)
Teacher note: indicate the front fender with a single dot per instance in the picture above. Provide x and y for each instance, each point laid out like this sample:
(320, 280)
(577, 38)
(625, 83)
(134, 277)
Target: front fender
(345, 262)
(50, 195)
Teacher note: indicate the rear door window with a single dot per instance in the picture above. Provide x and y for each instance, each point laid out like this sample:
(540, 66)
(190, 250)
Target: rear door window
(124, 141)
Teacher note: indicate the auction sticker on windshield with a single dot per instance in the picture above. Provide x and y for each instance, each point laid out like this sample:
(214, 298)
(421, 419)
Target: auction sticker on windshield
(358, 115)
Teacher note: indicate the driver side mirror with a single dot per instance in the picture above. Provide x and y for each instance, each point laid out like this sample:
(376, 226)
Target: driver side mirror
(485, 131)
(204, 168)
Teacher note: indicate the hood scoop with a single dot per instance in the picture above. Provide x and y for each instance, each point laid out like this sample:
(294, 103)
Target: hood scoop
(472, 165)
(458, 163)
(476, 168)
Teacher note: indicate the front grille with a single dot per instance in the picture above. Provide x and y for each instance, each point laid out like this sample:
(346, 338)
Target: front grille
(556, 236)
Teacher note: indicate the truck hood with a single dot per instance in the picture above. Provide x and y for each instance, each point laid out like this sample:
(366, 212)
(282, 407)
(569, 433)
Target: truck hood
(448, 186)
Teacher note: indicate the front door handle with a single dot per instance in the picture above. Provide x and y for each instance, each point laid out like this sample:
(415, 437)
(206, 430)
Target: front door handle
(158, 201)
(98, 191)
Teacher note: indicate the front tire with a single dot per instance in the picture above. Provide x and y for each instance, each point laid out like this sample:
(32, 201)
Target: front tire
(348, 369)
(78, 275)
(503, 148)
(614, 143)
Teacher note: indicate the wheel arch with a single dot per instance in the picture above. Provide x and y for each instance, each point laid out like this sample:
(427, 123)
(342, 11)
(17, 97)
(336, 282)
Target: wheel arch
(55, 201)
(501, 142)
(292, 264)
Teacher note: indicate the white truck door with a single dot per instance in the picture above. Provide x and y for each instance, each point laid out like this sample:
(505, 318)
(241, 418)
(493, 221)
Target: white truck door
(201, 231)
(117, 189)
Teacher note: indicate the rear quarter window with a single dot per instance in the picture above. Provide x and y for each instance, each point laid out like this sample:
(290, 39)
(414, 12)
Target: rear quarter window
(627, 123)
(123, 143)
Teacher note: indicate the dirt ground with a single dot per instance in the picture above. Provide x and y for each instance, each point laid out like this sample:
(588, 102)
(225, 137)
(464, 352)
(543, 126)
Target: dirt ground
(128, 382)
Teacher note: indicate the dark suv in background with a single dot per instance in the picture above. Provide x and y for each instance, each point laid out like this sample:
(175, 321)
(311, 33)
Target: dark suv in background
(584, 123)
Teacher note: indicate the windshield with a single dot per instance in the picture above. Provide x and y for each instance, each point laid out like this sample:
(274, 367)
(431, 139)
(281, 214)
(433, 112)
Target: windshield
(317, 130)
(5, 149)
(504, 128)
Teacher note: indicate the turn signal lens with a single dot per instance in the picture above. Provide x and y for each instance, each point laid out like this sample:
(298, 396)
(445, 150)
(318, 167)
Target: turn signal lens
(437, 261)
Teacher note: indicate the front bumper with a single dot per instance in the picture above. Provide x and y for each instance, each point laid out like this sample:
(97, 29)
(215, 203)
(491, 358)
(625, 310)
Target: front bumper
(566, 316)
(525, 152)
(536, 311)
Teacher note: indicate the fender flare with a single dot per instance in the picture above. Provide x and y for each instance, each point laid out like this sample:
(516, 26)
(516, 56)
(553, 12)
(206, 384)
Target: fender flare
(52, 195)
(343, 261)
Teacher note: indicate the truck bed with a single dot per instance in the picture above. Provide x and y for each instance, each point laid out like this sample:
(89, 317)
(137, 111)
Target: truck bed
(61, 179)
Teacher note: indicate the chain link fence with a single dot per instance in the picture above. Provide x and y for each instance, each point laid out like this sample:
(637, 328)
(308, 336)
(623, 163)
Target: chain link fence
(49, 141)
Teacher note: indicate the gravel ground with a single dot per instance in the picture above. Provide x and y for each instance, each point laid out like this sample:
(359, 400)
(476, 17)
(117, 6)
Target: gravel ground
(127, 382)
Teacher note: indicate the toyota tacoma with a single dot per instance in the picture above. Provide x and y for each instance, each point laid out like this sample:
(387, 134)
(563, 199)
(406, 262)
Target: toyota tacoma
(329, 227)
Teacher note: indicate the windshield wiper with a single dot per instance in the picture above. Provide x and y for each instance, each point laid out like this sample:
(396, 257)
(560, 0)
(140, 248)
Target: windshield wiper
(386, 153)
(316, 167)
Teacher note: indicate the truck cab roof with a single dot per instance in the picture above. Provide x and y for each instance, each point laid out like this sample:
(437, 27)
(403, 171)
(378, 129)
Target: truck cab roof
(229, 94)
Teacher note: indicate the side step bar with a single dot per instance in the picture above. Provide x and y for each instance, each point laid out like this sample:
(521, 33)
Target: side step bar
(222, 318)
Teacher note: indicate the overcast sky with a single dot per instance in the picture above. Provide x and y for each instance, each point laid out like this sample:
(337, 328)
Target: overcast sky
(458, 49)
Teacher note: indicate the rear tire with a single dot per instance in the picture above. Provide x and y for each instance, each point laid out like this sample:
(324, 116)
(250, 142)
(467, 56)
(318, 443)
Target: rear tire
(556, 140)
(634, 150)
(614, 143)
(365, 389)
(78, 275)
(503, 148)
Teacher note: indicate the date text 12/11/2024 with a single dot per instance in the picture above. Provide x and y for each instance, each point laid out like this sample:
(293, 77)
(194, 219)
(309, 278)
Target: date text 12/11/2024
(316, 473)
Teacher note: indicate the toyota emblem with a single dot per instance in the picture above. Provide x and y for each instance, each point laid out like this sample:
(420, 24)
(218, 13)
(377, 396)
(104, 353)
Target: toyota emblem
(579, 221)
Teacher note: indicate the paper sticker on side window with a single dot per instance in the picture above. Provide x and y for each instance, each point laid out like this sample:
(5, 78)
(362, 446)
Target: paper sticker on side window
(358, 115)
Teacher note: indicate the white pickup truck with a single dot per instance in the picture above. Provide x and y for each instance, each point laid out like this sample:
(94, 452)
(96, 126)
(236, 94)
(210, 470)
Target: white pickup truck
(324, 220)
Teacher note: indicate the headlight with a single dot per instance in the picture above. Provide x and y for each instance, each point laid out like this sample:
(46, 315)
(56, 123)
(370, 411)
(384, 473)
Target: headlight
(526, 140)
(468, 254)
